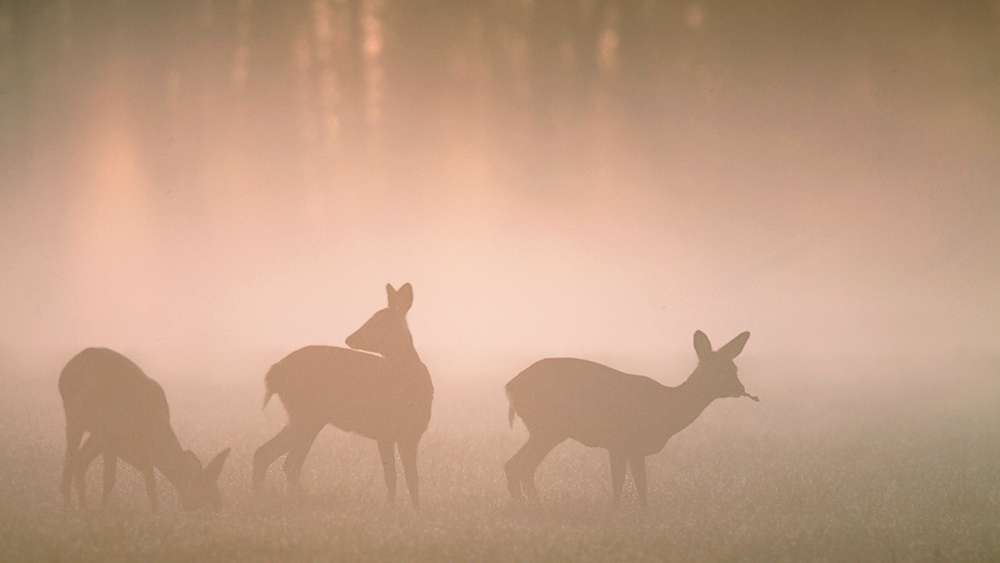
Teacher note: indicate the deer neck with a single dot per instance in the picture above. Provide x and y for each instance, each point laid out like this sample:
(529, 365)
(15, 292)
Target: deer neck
(405, 358)
(168, 457)
(687, 401)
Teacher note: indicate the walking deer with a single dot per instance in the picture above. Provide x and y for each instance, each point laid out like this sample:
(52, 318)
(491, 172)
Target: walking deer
(126, 415)
(384, 397)
(629, 415)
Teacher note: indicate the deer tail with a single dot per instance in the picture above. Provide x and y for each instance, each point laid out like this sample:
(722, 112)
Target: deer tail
(270, 385)
(511, 413)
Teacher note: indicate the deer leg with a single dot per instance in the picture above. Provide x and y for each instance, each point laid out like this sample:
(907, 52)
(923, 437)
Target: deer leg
(514, 470)
(139, 458)
(618, 460)
(272, 450)
(535, 451)
(88, 451)
(408, 456)
(74, 433)
(297, 453)
(387, 451)
(638, 464)
(110, 466)
(150, 479)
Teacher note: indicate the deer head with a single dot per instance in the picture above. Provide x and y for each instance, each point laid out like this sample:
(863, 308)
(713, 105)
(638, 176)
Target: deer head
(386, 332)
(198, 488)
(717, 368)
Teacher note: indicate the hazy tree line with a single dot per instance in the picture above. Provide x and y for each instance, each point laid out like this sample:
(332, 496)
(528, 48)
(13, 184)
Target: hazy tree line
(327, 91)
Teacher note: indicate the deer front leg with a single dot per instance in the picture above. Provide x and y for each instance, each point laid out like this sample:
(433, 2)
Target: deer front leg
(74, 433)
(408, 456)
(387, 451)
(88, 451)
(618, 460)
(638, 464)
(110, 467)
(150, 479)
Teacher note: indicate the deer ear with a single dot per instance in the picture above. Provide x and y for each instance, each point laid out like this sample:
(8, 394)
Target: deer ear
(402, 300)
(735, 346)
(390, 292)
(214, 467)
(191, 461)
(702, 346)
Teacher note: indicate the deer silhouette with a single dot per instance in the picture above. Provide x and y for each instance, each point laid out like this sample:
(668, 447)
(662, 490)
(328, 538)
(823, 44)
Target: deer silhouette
(384, 397)
(629, 415)
(126, 415)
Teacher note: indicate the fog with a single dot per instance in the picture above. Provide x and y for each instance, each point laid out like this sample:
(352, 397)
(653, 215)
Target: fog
(206, 186)
(566, 179)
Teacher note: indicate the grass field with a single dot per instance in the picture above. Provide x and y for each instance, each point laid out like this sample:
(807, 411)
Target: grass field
(863, 462)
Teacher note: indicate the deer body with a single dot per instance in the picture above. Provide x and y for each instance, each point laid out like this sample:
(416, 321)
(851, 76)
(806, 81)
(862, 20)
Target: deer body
(629, 415)
(384, 397)
(127, 417)
(354, 391)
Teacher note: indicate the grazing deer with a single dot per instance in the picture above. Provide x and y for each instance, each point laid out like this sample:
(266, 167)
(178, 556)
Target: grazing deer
(629, 415)
(386, 398)
(127, 416)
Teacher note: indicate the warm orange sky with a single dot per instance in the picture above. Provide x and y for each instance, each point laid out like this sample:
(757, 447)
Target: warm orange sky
(834, 192)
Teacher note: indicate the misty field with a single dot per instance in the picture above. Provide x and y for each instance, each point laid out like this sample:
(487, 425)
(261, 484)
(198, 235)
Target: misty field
(860, 461)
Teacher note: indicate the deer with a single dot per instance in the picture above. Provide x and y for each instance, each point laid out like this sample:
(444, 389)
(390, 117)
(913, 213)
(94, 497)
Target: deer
(377, 388)
(631, 416)
(125, 415)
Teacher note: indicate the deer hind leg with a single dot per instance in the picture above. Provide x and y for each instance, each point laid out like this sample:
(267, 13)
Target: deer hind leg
(303, 440)
(272, 450)
(513, 470)
(638, 464)
(618, 460)
(534, 452)
(408, 456)
(110, 466)
(74, 434)
(387, 451)
(516, 467)
(84, 457)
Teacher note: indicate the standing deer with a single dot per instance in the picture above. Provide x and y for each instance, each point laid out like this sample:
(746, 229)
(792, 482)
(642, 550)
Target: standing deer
(629, 415)
(386, 398)
(127, 416)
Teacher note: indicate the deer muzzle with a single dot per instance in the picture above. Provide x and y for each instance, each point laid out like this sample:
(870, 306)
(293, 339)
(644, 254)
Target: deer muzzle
(745, 394)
